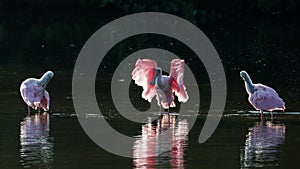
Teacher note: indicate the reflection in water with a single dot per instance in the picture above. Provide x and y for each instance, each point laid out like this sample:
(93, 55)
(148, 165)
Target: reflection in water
(36, 148)
(147, 146)
(262, 144)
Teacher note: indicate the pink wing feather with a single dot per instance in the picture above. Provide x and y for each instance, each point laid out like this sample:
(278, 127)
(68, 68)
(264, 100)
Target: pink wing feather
(143, 74)
(30, 93)
(176, 80)
(45, 102)
(266, 98)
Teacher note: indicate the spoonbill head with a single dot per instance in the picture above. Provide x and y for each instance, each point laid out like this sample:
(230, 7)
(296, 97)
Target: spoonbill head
(248, 82)
(158, 72)
(45, 79)
(244, 74)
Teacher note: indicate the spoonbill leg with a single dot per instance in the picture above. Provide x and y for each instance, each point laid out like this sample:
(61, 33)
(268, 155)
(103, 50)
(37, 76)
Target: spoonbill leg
(28, 111)
(271, 115)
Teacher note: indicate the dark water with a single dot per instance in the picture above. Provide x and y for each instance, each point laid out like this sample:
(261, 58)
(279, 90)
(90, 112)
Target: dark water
(47, 141)
(41, 141)
(262, 145)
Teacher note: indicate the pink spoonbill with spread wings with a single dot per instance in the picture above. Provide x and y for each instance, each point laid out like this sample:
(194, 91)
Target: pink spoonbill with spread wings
(262, 97)
(34, 94)
(149, 76)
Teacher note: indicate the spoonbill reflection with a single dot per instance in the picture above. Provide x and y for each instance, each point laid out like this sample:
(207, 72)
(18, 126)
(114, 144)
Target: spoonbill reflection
(262, 97)
(36, 148)
(147, 146)
(149, 76)
(34, 94)
(262, 144)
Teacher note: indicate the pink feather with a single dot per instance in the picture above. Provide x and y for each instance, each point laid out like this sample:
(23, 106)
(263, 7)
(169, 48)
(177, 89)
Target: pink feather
(34, 94)
(266, 98)
(261, 96)
(144, 73)
(31, 94)
(177, 85)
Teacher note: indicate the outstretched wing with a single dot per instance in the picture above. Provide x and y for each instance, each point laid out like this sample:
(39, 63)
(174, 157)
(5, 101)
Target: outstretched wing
(143, 74)
(176, 80)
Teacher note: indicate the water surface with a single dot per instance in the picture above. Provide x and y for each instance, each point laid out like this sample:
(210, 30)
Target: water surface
(41, 141)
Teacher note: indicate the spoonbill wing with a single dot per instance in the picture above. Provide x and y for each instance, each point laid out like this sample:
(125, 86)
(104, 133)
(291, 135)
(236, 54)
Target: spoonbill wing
(143, 74)
(28, 92)
(266, 98)
(45, 101)
(176, 80)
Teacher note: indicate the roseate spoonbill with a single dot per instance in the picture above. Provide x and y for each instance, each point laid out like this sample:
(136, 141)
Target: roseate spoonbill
(149, 76)
(34, 94)
(262, 97)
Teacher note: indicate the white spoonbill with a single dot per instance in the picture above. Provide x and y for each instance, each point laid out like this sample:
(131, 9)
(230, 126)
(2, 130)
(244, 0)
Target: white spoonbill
(149, 76)
(262, 97)
(34, 94)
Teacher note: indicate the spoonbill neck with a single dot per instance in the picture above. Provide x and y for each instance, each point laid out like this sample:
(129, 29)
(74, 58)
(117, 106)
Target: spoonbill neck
(249, 84)
(156, 75)
(45, 79)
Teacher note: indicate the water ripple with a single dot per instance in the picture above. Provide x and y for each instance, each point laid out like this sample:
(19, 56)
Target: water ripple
(147, 145)
(263, 142)
(36, 150)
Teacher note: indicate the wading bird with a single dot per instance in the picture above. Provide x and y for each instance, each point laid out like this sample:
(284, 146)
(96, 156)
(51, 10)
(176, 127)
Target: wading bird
(262, 97)
(34, 94)
(149, 76)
